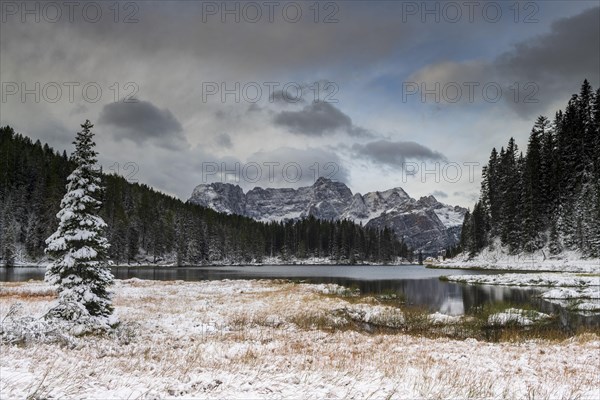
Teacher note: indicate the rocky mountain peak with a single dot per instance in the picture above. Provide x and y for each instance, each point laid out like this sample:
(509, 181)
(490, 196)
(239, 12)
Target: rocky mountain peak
(429, 201)
(425, 224)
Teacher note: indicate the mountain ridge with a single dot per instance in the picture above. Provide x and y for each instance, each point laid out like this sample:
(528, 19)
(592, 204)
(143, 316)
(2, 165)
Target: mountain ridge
(425, 224)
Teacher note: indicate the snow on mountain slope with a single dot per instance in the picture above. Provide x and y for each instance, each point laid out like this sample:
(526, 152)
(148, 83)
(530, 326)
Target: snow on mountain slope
(221, 197)
(450, 216)
(425, 224)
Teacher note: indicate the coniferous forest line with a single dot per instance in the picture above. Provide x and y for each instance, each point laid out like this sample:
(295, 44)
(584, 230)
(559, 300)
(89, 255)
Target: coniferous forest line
(547, 199)
(147, 226)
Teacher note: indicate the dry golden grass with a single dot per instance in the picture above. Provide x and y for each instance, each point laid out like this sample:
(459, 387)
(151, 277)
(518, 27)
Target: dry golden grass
(282, 339)
(24, 291)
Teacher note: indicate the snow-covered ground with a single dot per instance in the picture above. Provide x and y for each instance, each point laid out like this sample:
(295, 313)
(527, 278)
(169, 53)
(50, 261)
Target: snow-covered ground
(539, 279)
(516, 316)
(499, 258)
(260, 339)
(576, 291)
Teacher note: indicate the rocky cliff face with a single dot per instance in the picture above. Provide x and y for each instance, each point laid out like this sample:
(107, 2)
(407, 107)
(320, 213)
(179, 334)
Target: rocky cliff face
(424, 224)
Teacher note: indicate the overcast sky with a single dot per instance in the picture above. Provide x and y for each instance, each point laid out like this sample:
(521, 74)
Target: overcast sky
(193, 92)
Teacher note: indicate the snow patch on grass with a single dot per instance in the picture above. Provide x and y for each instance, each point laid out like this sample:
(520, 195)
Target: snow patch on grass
(540, 279)
(333, 289)
(377, 315)
(587, 306)
(500, 258)
(444, 319)
(568, 293)
(516, 316)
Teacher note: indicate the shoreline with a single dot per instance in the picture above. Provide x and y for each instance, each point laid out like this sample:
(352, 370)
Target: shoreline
(497, 266)
(266, 264)
(497, 269)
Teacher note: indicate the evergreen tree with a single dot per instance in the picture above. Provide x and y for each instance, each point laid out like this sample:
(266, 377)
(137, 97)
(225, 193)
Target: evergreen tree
(490, 196)
(510, 196)
(8, 242)
(595, 136)
(465, 235)
(532, 188)
(80, 269)
(548, 173)
(478, 229)
(585, 115)
(554, 240)
(570, 153)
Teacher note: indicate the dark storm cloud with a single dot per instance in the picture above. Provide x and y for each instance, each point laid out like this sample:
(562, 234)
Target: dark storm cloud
(556, 62)
(395, 154)
(174, 30)
(318, 119)
(143, 122)
(296, 93)
(547, 67)
(170, 53)
(288, 97)
(570, 49)
(224, 140)
(253, 108)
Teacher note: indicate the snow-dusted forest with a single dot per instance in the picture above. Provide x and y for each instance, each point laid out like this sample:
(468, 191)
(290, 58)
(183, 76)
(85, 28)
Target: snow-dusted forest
(547, 199)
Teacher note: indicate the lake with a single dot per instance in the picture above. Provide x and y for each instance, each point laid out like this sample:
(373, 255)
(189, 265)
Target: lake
(417, 285)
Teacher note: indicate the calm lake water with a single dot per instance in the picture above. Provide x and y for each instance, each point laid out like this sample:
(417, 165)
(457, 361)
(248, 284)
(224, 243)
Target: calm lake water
(415, 284)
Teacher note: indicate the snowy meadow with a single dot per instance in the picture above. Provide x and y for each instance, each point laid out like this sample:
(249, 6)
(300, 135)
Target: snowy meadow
(274, 339)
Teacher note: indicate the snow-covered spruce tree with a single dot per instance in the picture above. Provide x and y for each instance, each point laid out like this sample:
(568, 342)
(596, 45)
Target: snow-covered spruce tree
(80, 269)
